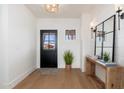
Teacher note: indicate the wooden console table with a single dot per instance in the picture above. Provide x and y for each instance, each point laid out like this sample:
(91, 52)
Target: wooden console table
(113, 77)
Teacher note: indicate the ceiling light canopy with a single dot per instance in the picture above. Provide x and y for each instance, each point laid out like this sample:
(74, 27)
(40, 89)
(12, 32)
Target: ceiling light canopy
(52, 8)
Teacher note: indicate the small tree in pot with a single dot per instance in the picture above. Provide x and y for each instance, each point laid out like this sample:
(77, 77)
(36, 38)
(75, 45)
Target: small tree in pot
(68, 58)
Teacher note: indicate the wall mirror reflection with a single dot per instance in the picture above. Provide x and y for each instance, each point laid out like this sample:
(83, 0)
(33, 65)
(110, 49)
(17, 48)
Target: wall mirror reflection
(105, 38)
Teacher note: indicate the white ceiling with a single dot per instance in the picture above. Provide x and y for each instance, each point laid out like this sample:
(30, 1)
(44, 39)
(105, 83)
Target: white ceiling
(65, 10)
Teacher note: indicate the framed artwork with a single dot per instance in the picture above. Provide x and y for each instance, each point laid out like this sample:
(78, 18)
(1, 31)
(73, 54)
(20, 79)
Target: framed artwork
(70, 34)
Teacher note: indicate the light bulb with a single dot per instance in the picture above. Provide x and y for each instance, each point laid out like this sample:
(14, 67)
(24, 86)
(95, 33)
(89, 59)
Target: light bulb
(52, 7)
(118, 7)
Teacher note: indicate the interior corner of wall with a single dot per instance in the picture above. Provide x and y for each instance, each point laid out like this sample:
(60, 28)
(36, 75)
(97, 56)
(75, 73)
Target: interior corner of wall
(13, 83)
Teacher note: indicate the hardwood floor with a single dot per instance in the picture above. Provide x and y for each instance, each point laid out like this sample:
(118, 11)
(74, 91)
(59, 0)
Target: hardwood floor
(63, 79)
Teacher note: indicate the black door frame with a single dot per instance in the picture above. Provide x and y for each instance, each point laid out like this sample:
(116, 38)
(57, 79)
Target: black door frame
(56, 44)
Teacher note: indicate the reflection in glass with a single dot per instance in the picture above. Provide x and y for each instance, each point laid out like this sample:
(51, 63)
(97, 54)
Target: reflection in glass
(105, 38)
(45, 36)
(49, 40)
(52, 37)
(52, 46)
(108, 37)
(45, 45)
(108, 25)
(99, 41)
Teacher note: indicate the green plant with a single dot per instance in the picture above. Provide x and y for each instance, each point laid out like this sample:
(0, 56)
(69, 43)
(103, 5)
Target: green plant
(106, 57)
(68, 57)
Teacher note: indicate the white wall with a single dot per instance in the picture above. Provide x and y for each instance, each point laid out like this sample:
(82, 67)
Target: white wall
(61, 25)
(3, 44)
(86, 44)
(17, 44)
(120, 43)
(21, 43)
(101, 13)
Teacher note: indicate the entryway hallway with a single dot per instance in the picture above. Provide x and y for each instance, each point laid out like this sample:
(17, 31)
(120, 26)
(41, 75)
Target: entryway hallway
(62, 79)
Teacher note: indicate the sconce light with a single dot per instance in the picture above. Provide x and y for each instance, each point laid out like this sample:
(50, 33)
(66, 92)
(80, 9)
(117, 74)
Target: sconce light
(101, 34)
(119, 9)
(93, 29)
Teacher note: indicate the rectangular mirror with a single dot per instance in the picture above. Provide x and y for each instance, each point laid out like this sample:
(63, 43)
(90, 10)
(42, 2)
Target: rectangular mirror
(105, 38)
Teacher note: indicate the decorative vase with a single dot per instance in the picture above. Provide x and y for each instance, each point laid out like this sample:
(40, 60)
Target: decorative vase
(68, 67)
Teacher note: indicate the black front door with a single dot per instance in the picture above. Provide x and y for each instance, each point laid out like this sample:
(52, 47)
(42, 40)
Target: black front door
(48, 48)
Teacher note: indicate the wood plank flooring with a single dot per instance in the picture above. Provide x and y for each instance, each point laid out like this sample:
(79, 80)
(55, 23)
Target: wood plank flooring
(63, 79)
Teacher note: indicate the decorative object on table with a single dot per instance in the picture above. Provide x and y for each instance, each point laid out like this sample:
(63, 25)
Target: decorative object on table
(106, 56)
(68, 58)
(70, 34)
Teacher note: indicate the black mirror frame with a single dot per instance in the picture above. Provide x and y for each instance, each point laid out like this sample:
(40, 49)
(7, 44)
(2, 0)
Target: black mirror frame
(114, 28)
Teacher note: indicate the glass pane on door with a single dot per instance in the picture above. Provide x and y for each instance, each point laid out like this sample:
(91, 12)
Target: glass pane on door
(52, 37)
(49, 40)
(45, 40)
(52, 40)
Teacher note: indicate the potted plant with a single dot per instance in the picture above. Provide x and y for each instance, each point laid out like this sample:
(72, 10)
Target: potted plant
(68, 58)
(106, 57)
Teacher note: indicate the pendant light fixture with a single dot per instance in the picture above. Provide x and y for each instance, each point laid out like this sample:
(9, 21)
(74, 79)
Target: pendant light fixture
(52, 8)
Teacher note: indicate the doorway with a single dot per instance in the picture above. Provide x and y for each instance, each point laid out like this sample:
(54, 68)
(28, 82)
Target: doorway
(48, 48)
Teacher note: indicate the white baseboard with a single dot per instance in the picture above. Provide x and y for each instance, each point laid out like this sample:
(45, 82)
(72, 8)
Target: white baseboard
(21, 77)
